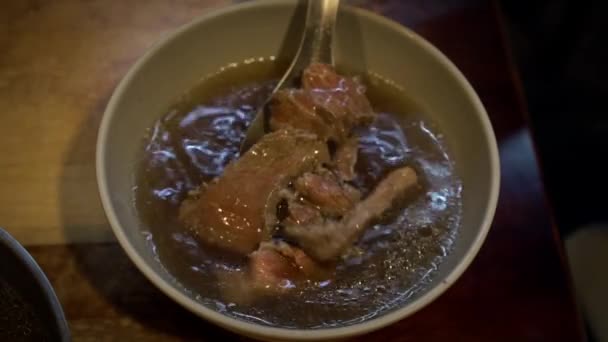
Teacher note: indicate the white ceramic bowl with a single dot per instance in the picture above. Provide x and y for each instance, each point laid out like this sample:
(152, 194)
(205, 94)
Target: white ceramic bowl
(364, 41)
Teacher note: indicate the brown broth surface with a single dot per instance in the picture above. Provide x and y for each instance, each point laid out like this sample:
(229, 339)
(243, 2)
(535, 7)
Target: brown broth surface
(201, 134)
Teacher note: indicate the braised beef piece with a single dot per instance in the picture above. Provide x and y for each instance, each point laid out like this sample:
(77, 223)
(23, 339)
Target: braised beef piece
(324, 190)
(276, 267)
(288, 183)
(229, 213)
(345, 159)
(328, 240)
(295, 109)
(302, 212)
(342, 97)
(328, 105)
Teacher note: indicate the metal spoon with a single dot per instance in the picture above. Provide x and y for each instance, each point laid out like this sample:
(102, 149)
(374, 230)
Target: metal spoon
(314, 47)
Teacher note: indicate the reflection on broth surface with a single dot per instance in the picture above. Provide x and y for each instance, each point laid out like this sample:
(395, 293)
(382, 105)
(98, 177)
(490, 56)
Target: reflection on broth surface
(394, 258)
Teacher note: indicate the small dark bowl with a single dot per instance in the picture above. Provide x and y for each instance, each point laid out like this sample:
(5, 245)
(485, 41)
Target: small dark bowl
(29, 308)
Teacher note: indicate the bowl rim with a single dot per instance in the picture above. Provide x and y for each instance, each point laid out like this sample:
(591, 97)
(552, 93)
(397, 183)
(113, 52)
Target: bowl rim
(257, 330)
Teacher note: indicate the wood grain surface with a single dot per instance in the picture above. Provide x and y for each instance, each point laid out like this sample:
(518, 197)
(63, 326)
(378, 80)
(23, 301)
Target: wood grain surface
(59, 62)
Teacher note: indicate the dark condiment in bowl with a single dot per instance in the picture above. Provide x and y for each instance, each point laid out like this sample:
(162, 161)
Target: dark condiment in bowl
(29, 308)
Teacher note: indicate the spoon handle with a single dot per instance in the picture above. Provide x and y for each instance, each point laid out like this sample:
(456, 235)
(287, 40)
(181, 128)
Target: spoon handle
(316, 41)
(319, 31)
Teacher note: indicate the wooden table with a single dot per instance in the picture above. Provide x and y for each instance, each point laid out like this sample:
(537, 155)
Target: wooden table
(59, 62)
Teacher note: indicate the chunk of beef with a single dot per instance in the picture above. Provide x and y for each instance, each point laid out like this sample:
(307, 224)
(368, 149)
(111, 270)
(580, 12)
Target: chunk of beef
(275, 268)
(302, 213)
(295, 109)
(325, 191)
(328, 105)
(268, 273)
(229, 213)
(291, 209)
(343, 97)
(329, 240)
(308, 269)
(270, 270)
(345, 159)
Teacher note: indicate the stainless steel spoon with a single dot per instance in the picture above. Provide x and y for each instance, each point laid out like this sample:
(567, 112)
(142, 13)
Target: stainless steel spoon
(314, 47)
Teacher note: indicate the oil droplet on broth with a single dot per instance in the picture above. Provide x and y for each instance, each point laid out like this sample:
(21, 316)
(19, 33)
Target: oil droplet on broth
(201, 134)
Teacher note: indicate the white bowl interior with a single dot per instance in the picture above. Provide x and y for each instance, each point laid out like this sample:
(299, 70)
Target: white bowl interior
(363, 42)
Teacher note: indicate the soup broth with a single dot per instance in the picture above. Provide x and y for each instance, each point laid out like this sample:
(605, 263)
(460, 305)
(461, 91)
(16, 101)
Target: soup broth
(201, 133)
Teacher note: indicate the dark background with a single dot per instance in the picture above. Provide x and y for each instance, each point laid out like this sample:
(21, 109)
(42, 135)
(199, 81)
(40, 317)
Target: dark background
(559, 49)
